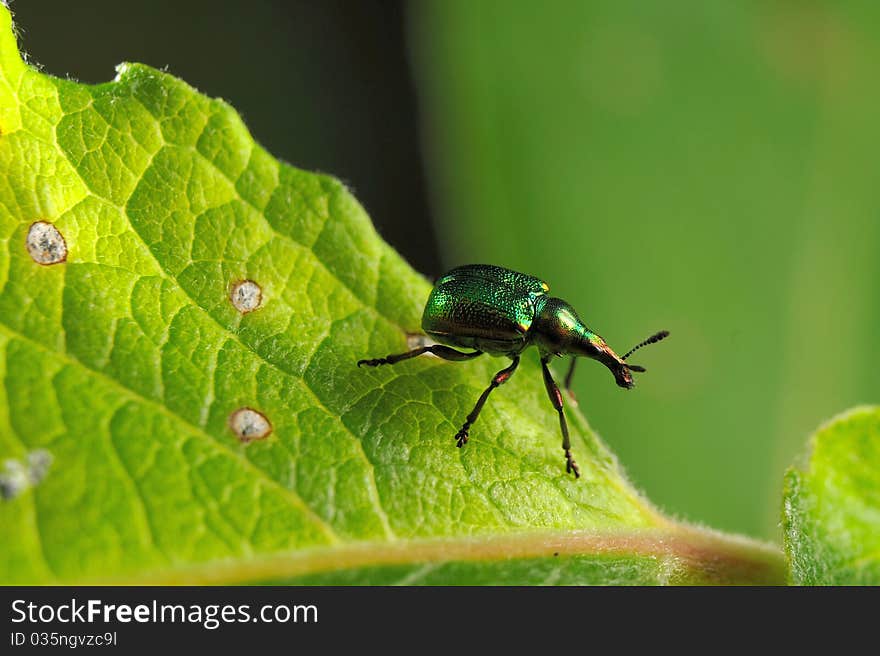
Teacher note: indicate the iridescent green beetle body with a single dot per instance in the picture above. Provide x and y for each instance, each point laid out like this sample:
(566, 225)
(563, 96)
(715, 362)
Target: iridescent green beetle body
(502, 312)
(484, 307)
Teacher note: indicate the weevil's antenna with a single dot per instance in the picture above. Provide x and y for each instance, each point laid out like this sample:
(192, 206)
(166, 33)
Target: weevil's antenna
(653, 339)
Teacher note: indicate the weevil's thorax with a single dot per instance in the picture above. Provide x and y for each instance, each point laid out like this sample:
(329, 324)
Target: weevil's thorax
(558, 330)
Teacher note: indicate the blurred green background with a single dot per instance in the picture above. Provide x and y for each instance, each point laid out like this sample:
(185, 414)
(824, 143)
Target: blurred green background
(706, 167)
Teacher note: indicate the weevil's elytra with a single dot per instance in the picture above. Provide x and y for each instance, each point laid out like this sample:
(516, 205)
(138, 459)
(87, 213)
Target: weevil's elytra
(501, 312)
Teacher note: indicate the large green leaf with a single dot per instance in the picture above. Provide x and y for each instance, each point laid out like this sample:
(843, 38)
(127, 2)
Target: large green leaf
(832, 506)
(123, 364)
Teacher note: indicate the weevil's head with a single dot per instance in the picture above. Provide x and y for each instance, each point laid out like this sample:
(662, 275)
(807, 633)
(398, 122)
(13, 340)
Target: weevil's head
(559, 330)
(593, 346)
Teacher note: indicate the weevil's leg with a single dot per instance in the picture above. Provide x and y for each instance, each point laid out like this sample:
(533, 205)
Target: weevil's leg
(556, 399)
(568, 378)
(461, 437)
(440, 351)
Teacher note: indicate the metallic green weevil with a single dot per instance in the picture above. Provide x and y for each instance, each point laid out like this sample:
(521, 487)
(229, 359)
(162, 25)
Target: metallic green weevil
(497, 311)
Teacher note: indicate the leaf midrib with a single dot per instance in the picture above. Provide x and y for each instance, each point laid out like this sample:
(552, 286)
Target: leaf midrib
(690, 550)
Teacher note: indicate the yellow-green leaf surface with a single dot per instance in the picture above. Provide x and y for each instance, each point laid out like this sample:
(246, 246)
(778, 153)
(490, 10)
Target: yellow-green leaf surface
(832, 505)
(122, 364)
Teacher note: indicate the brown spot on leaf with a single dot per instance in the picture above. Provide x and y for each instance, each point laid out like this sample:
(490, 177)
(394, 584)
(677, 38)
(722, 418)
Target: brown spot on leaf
(45, 244)
(249, 425)
(17, 476)
(246, 296)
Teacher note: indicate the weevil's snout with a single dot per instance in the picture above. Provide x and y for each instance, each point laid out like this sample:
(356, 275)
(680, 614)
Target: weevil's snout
(623, 376)
(595, 347)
